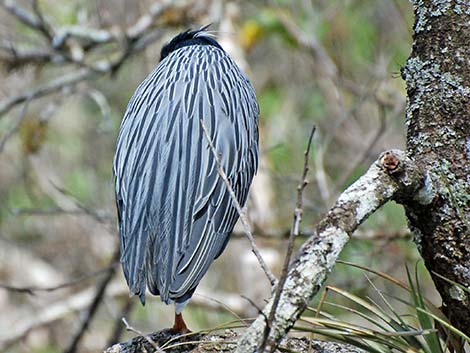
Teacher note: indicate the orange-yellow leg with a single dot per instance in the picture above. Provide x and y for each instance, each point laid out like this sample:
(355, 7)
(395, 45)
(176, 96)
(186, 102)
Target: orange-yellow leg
(180, 326)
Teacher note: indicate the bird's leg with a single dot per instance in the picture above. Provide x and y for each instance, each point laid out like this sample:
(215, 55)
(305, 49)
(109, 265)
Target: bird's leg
(180, 326)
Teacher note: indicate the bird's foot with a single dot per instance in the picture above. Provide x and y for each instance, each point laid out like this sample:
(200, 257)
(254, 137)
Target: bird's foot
(180, 326)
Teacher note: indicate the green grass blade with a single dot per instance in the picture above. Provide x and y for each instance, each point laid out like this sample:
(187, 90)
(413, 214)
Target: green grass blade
(446, 324)
(432, 340)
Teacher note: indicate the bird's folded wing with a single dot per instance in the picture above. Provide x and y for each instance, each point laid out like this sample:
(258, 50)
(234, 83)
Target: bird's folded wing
(175, 211)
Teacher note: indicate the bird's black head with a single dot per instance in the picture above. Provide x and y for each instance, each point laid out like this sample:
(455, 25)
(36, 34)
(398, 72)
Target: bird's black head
(186, 38)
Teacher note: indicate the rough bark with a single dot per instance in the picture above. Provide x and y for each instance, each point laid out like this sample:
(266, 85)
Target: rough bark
(225, 342)
(438, 139)
(392, 176)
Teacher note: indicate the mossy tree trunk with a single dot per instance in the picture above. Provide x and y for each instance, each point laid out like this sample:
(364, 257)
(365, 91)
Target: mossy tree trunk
(438, 139)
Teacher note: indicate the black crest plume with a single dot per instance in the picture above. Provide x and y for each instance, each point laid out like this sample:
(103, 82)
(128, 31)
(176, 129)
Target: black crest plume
(189, 37)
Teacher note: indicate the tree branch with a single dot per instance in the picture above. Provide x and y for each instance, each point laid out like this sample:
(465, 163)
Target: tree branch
(294, 232)
(246, 227)
(136, 38)
(224, 341)
(92, 309)
(393, 175)
(45, 89)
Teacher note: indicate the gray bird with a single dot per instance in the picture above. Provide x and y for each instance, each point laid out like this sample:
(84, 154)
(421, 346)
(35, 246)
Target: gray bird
(175, 212)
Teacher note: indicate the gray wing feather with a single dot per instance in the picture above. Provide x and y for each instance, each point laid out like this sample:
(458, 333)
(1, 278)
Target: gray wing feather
(175, 212)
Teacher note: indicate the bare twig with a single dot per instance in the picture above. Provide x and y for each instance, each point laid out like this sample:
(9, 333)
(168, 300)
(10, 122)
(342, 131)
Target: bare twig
(245, 223)
(148, 19)
(147, 338)
(321, 176)
(100, 215)
(43, 26)
(42, 90)
(254, 305)
(34, 289)
(81, 300)
(14, 57)
(55, 311)
(311, 43)
(361, 234)
(209, 299)
(117, 330)
(100, 292)
(367, 151)
(15, 127)
(107, 222)
(23, 15)
(136, 38)
(270, 346)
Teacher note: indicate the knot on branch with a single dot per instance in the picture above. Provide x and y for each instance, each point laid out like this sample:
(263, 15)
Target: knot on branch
(390, 162)
(404, 172)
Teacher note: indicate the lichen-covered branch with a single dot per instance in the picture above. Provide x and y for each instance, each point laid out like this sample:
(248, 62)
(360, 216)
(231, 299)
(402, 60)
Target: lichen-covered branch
(437, 75)
(393, 175)
(221, 342)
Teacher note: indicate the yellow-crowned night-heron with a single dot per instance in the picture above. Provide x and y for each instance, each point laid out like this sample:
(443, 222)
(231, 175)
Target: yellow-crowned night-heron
(175, 212)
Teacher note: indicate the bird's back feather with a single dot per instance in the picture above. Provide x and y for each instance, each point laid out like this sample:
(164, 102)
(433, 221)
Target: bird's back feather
(175, 212)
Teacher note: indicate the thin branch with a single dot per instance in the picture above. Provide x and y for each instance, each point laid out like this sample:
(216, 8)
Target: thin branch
(254, 305)
(42, 90)
(23, 15)
(15, 127)
(312, 44)
(208, 302)
(92, 309)
(96, 37)
(58, 310)
(245, 223)
(147, 338)
(298, 211)
(14, 57)
(136, 37)
(366, 152)
(32, 290)
(108, 222)
(85, 73)
(118, 329)
(148, 19)
(79, 301)
(43, 26)
(99, 215)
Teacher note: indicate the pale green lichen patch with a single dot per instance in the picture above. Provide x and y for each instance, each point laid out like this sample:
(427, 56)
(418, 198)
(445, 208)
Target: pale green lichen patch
(429, 8)
(427, 193)
(452, 187)
(417, 237)
(457, 293)
(463, 271)
(462, 7)
(425, 76)
(366, 195)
